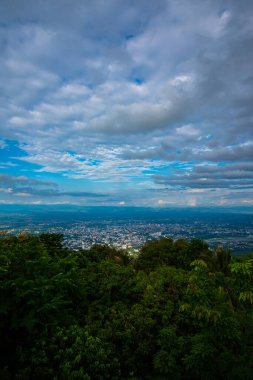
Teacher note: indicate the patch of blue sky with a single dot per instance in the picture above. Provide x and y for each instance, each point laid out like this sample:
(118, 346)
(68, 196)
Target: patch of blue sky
(11, 149)
(12, 163)
(10, 159)
(182, 165)
(138, 81)
(169, 168)
(155, 170)
(88, 161)
(129, 36)
(94, 162)
(69, 183)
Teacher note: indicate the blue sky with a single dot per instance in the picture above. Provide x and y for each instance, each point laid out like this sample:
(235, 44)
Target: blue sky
(143, 103)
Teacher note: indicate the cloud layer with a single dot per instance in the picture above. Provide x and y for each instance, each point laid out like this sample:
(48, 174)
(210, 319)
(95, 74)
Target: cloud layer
(120, 96)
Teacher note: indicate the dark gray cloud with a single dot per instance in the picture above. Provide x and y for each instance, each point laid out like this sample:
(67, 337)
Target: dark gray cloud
(26, 187)
(233, 176)
(49, 193)
(211, 152)
(8, 180)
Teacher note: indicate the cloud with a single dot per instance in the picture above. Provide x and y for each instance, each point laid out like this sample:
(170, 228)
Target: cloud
(163, 202)
(170, 149)
(187, 130)
(105, 165)
(22, 186)
(210, 176)
(121, 91)
(8, 181)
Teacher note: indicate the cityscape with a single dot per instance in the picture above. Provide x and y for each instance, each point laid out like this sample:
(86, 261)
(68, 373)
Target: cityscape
(129, 229)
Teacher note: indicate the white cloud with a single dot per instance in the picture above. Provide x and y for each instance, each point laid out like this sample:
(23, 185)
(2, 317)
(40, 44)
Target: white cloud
(22, 194)
(6, 190)
(163, 202)
(180, 80)
(192, 202)
(100, 164)
(196, 190)
(187, 130)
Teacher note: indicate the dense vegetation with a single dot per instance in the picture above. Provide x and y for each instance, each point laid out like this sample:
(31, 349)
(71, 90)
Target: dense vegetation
(177, 311)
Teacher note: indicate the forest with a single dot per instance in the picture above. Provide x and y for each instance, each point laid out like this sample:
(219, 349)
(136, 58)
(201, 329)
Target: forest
(179, 310)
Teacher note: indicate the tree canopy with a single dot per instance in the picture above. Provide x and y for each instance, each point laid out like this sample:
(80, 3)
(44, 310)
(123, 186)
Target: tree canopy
(179, 310)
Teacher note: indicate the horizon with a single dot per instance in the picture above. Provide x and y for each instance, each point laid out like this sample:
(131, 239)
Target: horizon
(122, 104)
(123, 208)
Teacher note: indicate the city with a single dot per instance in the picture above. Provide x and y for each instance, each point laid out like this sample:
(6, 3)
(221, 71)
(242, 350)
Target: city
(129, 233)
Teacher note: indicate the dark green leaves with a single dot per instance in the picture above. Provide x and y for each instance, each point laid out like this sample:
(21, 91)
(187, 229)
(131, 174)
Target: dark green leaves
(178, 311)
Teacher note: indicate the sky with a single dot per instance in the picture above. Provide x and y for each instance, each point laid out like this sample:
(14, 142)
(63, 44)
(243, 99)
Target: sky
(129, 103)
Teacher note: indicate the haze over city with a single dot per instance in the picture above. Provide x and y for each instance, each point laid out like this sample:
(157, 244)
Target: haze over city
(126, 103)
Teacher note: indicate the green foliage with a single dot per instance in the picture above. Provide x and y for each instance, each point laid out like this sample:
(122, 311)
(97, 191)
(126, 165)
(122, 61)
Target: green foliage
(178, 311)
(179, 253)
